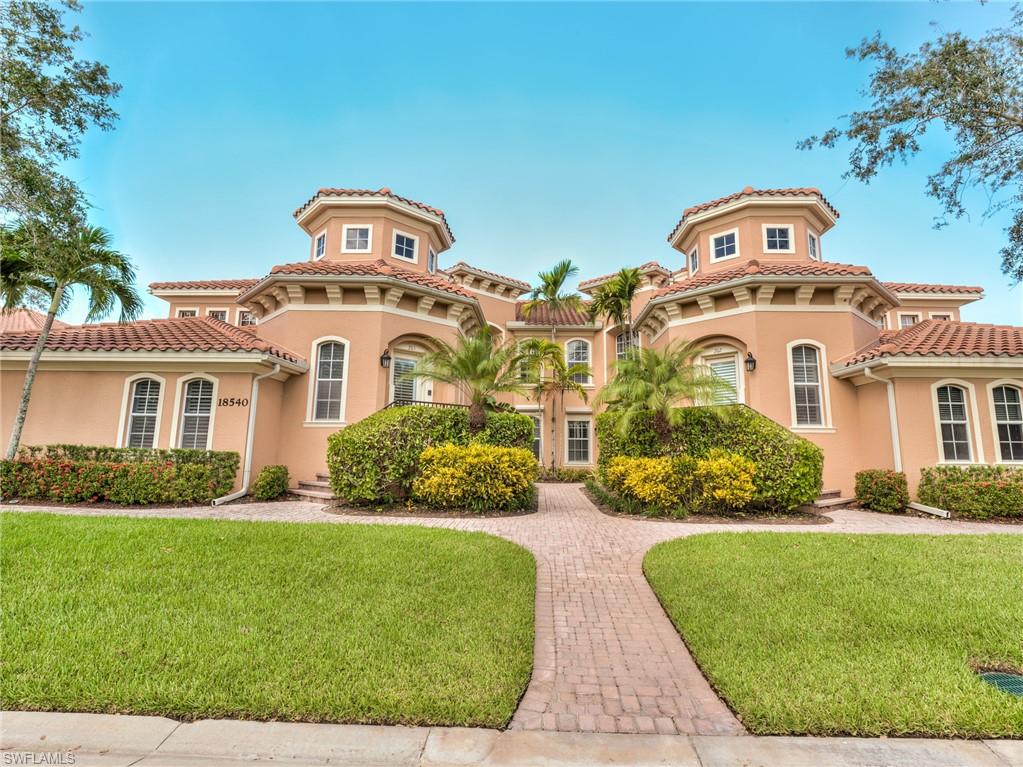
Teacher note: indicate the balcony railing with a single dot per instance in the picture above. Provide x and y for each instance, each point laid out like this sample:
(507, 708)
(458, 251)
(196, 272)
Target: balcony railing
(427, 403)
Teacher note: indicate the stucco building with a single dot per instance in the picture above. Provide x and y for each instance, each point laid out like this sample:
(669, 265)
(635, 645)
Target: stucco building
(878, 374)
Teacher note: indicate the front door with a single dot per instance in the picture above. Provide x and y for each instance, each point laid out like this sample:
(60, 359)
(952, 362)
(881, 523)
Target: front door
(405, 389)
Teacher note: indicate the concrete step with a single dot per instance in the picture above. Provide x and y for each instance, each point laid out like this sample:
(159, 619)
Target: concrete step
(322, 495)
(314, 484)
(830, 494)
(830, 504)
(323, 477)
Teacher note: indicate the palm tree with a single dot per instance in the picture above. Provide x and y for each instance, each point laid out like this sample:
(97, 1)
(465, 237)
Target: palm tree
(37, 269)
(550, 293)
(614, 298)
(478, 368)
(551, 376)
(660, 382)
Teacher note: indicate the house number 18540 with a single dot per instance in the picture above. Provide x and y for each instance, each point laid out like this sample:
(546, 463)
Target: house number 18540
(233, 402)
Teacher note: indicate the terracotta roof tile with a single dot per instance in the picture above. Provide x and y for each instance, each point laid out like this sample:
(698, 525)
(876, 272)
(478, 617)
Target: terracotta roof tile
(925, 287)
(751, 192)
(25, 321)
(943, 338)
(649, 266)
(541, 315)
(239, 285)
(189, 334)
(371, 268)
(495, 275)
(383, 192)
(767, 268)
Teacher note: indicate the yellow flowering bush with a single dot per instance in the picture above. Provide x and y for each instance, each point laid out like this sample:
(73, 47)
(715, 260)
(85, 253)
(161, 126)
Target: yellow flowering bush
(477, 476)
(725, 480)
(660, 482)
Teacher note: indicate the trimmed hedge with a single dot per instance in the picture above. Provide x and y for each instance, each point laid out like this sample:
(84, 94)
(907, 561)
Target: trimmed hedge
(222, 464)
(477, 477)
(271, 483)
(788, 467)
(136, 483)
(979, 492)
(563, 474)
(376, 460)
(882, 490)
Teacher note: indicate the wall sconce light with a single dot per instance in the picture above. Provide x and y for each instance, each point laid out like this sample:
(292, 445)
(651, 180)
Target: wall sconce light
(751, 362)
(385, 359)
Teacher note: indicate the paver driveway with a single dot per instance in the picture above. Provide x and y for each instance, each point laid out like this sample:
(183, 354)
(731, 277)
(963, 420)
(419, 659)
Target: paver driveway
(606, 658)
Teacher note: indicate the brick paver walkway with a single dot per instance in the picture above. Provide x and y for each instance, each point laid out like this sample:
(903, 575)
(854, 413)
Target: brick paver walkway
(606, 657)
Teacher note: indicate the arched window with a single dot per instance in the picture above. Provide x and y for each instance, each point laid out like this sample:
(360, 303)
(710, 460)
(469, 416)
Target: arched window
(578, 353)
(143, 409)
(954, 423)
(1009, 422)
(625, 342)
(195, 415)
(329, 387)
(806, 386)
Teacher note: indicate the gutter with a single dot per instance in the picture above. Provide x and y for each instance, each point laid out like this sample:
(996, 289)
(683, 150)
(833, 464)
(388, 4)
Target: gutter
(249, 438)
(893, 417)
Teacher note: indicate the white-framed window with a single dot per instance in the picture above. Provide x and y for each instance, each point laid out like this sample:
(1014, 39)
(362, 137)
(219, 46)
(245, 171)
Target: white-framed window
(431, 261)
(941, 316)
(726, 368)
(907, 320)
(724, 245)
(246, 318)
(953, 423)
(320, 246)
(537, 436)
(406, 246)
(217, 314)
(196, 414)
(694, 261)
(813, 245)
(625, 342)
(183, 313)
(577, 440)
(807, 395)
(778, 238)
(1007, 408)
(577, 352)
(329, 387)
(143, 412)
(356, 238)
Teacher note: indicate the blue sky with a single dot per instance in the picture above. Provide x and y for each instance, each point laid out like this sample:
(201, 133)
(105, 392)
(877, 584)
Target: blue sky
(544, 131)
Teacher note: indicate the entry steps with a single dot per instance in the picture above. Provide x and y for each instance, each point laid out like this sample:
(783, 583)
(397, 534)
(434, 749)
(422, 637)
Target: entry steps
(830, 500)
(318, 488)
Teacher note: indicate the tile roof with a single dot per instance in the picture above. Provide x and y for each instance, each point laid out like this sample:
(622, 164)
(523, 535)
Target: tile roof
(24, 321)
(495, 275)
(541, 315)
(751, 192)
(188, 334)
(649, 266)
(767, 268)
(925, 287)
(383, 192)
(239, 285)
(943, 338)
(371, 268)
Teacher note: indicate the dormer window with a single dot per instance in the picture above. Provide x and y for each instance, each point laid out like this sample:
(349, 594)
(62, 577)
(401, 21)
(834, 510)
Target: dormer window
(908, 320)
(694, 261)
(778, 238)
(405, 246)
(724, 245)
(321, 245)
(813, 246)
(431, 261)
(357, 239)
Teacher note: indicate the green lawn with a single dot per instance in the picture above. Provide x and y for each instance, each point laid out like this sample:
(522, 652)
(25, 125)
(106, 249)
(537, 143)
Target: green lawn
(830, 634)
(186, 618)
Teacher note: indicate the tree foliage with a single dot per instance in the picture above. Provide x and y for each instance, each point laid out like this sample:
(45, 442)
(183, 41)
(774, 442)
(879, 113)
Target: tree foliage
(614, 298)
(970, 88)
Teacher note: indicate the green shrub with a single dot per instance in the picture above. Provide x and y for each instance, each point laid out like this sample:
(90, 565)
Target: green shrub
(478, 477)
(223, 464)
(882, 490)
(653, 482)
(788, 467)
(563, 474)
(725, 481)
(271, 483)
(979, 492)
(376, 459)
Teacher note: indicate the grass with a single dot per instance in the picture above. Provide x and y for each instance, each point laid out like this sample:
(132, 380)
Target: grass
(828, 634)
(327, 623)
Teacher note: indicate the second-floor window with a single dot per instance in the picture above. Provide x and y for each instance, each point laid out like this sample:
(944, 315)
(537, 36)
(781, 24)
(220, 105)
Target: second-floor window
(218, 314)
(246, 318)
(431, 261)
(625, 342)
(578, 353)
(694, 261)
(908, 320)
(778, 238)
(187, 313)
(814, 247)
(356, 239)
(724, 245)
(404, 246)
(321, 245)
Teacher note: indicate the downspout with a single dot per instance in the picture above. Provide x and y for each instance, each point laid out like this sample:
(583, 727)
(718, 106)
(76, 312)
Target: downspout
(893, 419)
(249, 439)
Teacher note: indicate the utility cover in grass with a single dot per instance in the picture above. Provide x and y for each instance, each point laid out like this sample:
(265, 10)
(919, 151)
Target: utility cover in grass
(258, 620)
(833, 634)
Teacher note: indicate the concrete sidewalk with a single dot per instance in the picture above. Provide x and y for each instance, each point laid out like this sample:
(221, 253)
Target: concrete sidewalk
(120, 741)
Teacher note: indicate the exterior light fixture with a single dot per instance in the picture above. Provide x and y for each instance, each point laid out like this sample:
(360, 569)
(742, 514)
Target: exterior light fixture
(385, 359)
(751, 362)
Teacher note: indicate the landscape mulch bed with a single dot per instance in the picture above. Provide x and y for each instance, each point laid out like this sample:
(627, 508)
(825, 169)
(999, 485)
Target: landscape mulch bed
(418, 512)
